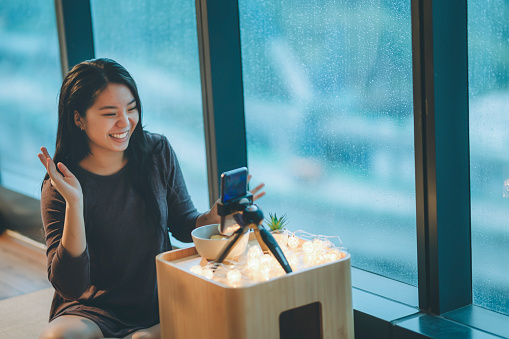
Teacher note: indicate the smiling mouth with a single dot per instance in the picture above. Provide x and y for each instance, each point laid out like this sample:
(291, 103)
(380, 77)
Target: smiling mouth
(120, 135)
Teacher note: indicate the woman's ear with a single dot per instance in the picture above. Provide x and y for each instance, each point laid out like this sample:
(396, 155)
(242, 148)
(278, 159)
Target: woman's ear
(77, 120)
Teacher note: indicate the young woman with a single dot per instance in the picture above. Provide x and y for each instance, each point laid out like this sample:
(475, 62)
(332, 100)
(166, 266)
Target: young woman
(108, 210)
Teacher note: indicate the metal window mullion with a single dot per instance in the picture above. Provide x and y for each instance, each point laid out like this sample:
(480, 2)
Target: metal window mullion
(75, 36)
(222, 91)
(419, 99)
(442, 162)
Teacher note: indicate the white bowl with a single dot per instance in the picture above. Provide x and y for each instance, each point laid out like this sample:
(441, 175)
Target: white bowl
(211, 248)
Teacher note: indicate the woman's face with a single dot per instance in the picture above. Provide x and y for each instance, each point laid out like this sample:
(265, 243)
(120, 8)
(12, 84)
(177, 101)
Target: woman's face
(111, 120)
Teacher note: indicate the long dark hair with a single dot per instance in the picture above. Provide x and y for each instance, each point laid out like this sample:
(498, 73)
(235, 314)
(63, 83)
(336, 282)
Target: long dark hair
(80, 88)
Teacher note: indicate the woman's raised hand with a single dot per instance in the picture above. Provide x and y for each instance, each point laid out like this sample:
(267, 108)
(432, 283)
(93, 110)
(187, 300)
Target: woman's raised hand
(65, 182)
(257, 189)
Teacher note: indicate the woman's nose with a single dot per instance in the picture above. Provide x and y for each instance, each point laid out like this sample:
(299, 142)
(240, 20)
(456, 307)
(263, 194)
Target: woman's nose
(123, 119)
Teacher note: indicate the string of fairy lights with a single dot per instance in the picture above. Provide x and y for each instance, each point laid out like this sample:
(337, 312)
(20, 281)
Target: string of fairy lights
(302, 250)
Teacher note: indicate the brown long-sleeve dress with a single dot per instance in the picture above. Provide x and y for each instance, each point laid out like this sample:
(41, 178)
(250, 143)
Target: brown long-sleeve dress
(113, 282)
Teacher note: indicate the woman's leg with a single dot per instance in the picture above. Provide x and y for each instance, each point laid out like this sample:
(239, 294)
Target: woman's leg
(70, 327)
(153, 332)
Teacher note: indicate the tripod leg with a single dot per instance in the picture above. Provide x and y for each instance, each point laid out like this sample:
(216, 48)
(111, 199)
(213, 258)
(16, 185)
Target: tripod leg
(261, 242)
(271, 243)
(229, 245)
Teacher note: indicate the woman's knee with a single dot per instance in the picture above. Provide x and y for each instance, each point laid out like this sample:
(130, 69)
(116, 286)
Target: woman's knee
(153, 332)
(71, 327)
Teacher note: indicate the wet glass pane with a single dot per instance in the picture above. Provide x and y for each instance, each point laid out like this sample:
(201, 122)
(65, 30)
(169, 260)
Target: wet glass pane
(329, 114)
(156, 41)
(30, 76)
(488, 72)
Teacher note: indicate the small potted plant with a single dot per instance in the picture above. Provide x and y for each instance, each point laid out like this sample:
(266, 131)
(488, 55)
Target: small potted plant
(277, 226)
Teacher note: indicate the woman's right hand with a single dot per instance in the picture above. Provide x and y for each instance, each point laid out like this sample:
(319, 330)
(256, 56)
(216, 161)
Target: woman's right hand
(66, 183)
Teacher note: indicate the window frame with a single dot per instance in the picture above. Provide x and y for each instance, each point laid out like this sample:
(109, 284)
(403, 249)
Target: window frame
(75, 35)
(222, 89)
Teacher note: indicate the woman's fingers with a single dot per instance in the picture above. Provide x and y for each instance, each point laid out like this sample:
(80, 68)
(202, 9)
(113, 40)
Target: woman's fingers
(255, 191)
(48, 162)
(45, 152)
(42, 159)
(258, 196)
(257, 188)
(65, 171)
(51, 168)
(56, 178)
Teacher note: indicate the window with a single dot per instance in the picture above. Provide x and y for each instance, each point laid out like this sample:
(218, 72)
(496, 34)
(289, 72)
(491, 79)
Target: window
(488, 50)
(329, 123)
(31, 78)
(156, 42)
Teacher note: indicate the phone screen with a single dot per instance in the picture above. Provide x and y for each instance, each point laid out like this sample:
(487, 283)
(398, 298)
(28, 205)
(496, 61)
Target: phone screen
(233, 184)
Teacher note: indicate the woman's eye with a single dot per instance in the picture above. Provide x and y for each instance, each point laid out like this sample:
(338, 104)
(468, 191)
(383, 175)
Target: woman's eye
(133, 109)
(109, 114)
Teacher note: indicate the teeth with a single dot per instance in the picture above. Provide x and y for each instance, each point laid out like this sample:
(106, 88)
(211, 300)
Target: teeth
(120, 136)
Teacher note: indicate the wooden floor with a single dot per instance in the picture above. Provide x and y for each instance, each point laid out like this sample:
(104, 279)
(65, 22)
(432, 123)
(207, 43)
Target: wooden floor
(22, 265)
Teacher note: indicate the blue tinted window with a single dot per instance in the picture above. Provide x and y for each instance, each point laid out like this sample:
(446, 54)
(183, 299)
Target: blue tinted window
(31, 77)
(329, 114)
(156, 41)
(488, 72)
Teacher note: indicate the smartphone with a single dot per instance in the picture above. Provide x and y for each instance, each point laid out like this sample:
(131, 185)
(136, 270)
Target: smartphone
(233, 184)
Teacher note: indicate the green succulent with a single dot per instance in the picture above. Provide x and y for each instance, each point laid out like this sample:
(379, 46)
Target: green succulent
(276, 223)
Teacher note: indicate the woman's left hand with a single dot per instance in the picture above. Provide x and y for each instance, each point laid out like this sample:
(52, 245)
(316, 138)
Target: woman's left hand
(257, 189)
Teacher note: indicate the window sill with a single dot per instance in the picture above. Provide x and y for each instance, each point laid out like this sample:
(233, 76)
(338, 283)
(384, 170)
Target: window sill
(383, 286)
(482, 319)
(382, 310)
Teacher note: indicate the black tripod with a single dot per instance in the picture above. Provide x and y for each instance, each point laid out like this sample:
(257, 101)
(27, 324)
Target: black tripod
(251, 218)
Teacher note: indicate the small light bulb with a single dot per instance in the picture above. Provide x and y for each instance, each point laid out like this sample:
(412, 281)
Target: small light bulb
(309, 259)
(233, 277)
(318, 244)
(321, 258)
(293, 261)
(286, 251)
(265, 262)
(308, 247)
(264, 275)
(254, 252)
(253, 264)
(208, 273)
(278, 271)
(336, 254)
(293, 242)
(196, 269)
(330, 256)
